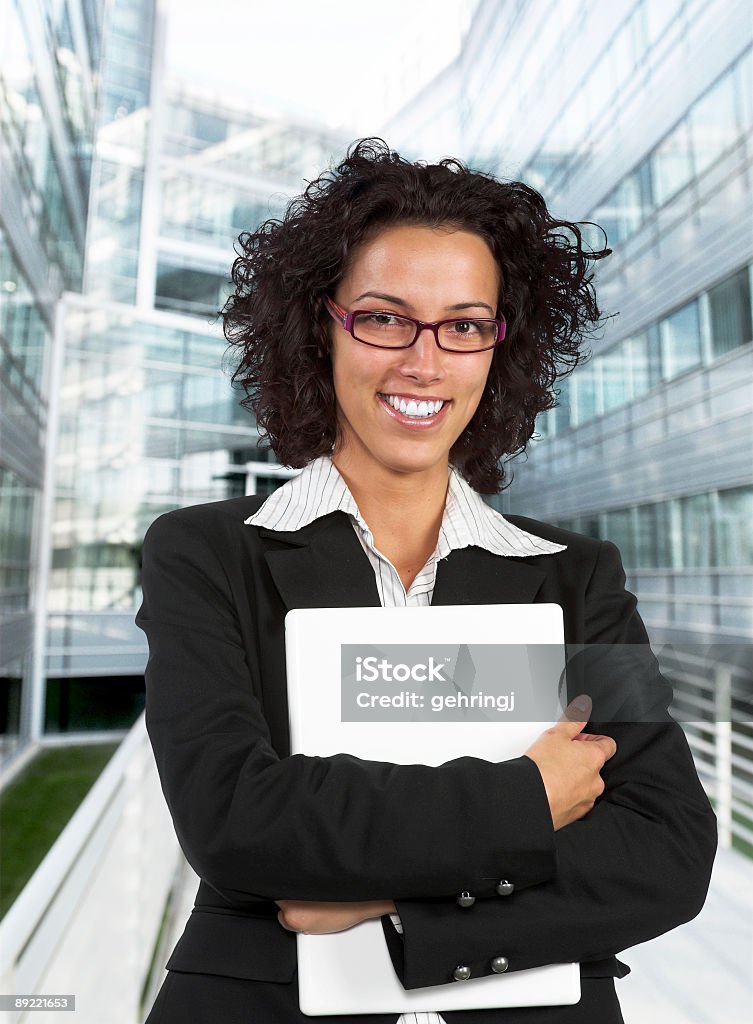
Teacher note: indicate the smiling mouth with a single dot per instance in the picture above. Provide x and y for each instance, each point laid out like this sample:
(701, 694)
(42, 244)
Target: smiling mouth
(412, 408)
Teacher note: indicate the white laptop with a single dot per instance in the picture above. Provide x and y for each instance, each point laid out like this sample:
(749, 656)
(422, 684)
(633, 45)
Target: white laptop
(420, 686)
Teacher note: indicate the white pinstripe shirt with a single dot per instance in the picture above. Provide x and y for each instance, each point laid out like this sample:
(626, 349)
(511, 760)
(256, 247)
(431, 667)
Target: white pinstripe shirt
(467, 521)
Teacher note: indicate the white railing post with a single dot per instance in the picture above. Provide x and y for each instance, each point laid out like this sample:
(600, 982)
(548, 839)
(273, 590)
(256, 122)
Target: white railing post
(723, 752)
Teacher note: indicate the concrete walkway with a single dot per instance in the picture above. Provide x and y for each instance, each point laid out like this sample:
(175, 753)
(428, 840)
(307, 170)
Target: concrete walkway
(701, 973)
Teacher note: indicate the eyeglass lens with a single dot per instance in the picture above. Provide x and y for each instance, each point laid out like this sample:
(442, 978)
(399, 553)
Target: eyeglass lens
(395, 331)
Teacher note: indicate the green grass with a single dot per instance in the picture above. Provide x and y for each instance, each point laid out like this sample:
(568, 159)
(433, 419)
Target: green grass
(37, 805)
(738, 843)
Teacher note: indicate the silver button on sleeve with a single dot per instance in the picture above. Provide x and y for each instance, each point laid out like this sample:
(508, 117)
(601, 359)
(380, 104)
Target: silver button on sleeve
(461, 973)
(504, 888)
(499, 964)
(465, 899)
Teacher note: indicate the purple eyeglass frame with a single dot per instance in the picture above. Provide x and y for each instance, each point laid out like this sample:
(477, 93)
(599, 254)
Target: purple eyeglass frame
(346, 320)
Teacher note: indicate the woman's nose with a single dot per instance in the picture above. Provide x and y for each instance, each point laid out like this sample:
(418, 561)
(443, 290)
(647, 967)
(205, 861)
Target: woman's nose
(424, 358)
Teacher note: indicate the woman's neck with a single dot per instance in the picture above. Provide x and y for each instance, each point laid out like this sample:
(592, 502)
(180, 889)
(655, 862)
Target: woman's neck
(403, 511)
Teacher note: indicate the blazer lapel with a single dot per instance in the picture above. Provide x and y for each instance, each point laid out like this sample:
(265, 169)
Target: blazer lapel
(324, 566)
(475, 576)
(321, 566)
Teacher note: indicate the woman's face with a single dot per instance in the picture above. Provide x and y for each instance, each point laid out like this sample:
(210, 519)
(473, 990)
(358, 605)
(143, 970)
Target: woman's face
(430, 274)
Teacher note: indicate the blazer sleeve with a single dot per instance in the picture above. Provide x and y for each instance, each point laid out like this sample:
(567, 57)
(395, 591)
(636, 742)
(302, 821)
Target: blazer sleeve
(637, 865)
(255, 826)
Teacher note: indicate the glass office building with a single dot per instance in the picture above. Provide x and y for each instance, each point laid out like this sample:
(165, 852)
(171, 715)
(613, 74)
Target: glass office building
(49, 59)
(636, 115)
(148, 420)
(123, 193)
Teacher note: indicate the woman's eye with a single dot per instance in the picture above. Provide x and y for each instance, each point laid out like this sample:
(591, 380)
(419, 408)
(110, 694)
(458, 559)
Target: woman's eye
(465, 327)
(382, 319)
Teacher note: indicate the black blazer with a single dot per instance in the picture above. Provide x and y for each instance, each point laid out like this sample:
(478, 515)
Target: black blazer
(257, 824)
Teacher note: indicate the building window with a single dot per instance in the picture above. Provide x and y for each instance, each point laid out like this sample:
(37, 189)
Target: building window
(637, 357)
(697, 531)
(734, 538)
(713, 125)
(584, 392)
(11, 682)
(672, 164)
(681, 340)
(631, 201)
(615, 378)
(619, 530)
(730, 313)
(17, 504)
(589, 525)
(652, 549)
(87, 705)
(186, 290)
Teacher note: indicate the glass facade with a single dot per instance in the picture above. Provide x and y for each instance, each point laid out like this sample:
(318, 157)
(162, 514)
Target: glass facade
(148, 420)
(121, 140)
(48, 99)
(149, 424)
(49, 181)
(713, 125)
(236, 140)
(710, 529)
(15, 543)
(660, 352)
(24, 337)
(686, 557)
(222, 170)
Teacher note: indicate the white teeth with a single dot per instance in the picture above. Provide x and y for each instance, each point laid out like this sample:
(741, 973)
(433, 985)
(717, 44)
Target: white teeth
(411, 407)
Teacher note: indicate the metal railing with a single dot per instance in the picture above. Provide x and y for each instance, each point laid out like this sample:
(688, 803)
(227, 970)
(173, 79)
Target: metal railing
(713, 700)
(86, 922)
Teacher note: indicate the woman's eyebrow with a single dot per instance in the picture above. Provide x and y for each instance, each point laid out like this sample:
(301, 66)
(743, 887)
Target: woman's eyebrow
(472, 305)
(380, 295)
(401, 302)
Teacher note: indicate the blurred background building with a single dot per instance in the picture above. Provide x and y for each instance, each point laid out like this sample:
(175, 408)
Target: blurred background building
(148, 421)
(135, 415)
(49, 82)
(124, 186)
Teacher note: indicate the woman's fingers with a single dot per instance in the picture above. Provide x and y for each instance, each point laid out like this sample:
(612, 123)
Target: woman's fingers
(571, 771)
(312, 917)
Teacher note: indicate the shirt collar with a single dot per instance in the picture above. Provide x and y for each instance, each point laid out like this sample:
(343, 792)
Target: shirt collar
(467, 521)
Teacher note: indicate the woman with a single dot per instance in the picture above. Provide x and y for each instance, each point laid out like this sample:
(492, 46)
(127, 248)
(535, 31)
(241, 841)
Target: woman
(399, 331)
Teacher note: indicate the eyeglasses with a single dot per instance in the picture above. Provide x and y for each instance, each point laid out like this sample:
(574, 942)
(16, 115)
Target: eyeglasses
(388, 330)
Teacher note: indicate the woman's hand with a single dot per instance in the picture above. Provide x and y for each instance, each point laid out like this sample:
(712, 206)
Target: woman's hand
(570, 770)
(312, 918)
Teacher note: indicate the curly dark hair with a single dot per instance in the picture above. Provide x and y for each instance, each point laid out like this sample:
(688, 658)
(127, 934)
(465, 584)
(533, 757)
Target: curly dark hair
(277, 321)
